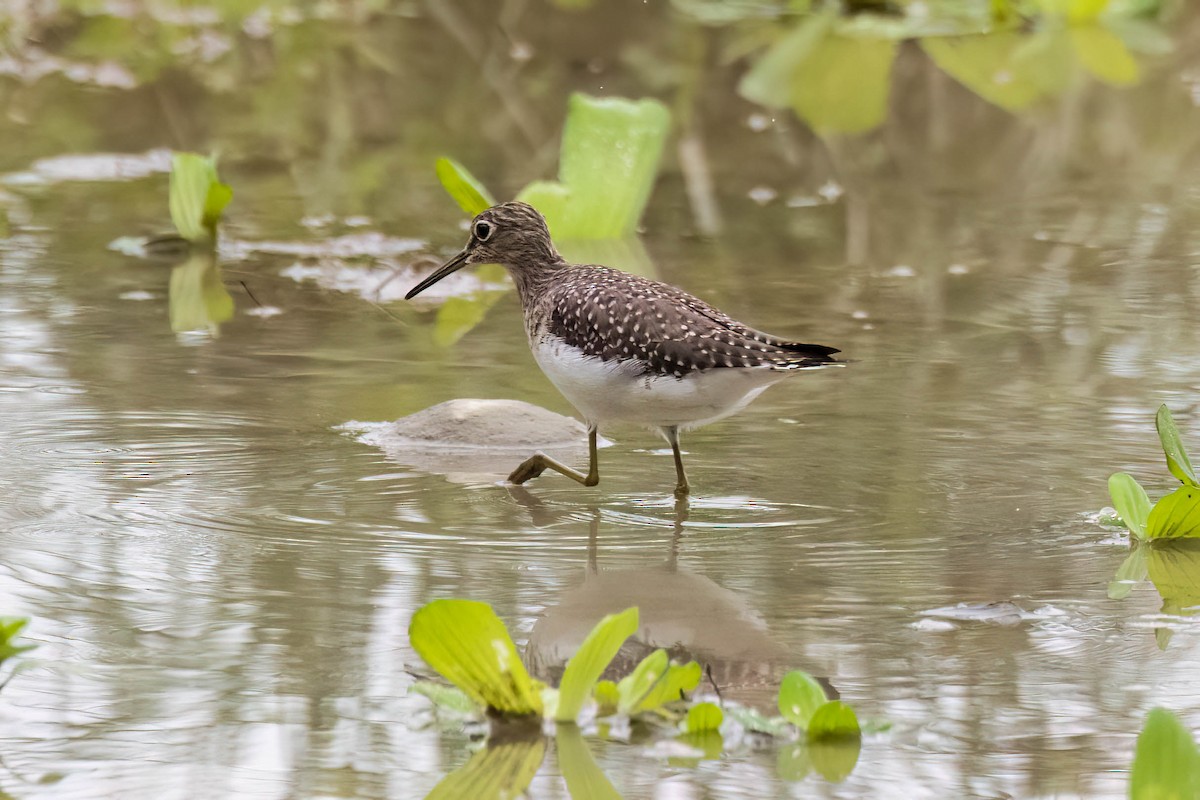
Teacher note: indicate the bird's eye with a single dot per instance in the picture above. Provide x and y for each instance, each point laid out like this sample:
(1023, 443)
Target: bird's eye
(482, 231)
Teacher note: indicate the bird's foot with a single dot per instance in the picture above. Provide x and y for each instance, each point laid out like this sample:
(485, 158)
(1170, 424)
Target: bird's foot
(530, 468)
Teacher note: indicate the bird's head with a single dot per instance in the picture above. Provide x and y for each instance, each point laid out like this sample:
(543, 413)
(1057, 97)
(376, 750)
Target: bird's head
(513, 234)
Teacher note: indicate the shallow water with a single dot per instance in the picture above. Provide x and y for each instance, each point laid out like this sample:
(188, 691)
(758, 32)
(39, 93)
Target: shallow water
(220, 580)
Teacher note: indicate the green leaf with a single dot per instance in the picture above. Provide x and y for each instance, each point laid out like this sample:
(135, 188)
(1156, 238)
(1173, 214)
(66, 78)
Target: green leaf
(471, 195)
(1172, 445)
(1133, 570)
(497, 772)
(771, 79)
(607, 697)
(585, 780)
(755, 721)
(1075, 11)
(450, 698)
(842, 86)
(609, 161)
(1104, 55)
(985, 65)
(1130, 501)
(799, 697)
(196, 198)
(704, 717)
(835, 759)
(590, 661)
(833, 720)
(467, 644)
(634, 687)
(550, 198)
(1176, 516)
(1166, 763)
(678, 679)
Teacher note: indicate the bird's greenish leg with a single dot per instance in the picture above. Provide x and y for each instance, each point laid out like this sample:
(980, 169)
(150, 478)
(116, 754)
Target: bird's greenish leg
(540, 462)
(681, 482)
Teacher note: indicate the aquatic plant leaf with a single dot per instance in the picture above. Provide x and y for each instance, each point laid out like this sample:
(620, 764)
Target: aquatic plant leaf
(590, 661)
(634, 687)
(607, 698)
(585, 780)
(833, 720)
(1130, 501)
(497, 772)
(1172, 445)
(755, 721)
(1175, 516)
(611, 147)
(197, 299)
(678, 679)
(842, 85)
(1075, 11)
(984, 64)
(466, 643)
(471, 195)
(1133, 570)
(799, 697)
(1104, 55)
(1166, 763)
(770, 81)
(196, 197)
(835, 759)
(704, 717)
(550, 199)
(10, 628)
(450, 698)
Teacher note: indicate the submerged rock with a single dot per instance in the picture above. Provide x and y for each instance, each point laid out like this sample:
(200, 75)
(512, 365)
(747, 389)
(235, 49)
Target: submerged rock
(471, 440)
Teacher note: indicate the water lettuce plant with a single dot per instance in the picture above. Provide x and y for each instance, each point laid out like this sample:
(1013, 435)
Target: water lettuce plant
(467, 644)
(1174, 516)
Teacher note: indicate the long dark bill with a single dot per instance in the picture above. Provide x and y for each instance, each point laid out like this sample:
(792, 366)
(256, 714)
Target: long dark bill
(453, 265)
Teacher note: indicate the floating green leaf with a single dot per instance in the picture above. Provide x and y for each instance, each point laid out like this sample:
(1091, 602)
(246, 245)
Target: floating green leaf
(196, 197)
(799, 697)
(497, 772)
(1130, 501)
(607, 697)
(450, 698)
(704, 717)
(754, 720)
(467, 644)
(678, 679)
(590, 661)
(1166, 763)
(833, 720)
(471, 195)
(1104, 55)
(585, 780)
(1172, 445)
(1176, 516)
(634, 687)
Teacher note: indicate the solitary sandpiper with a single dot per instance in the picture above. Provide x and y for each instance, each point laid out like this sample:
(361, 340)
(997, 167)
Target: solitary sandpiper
(622, 348)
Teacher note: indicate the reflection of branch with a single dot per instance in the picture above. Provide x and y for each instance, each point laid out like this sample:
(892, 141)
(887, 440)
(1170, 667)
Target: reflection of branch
(522, 116)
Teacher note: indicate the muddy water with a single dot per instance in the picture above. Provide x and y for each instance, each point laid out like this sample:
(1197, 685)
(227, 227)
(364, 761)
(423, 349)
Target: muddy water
(220, 579)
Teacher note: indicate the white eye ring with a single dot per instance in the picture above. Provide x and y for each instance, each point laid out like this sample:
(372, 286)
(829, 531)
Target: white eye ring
(482, 231)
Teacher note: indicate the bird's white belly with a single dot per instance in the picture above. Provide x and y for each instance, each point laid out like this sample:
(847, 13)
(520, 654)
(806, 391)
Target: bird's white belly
(612, 391)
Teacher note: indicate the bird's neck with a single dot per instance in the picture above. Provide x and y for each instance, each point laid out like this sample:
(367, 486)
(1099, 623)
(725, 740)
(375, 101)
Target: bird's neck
(531, 278)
